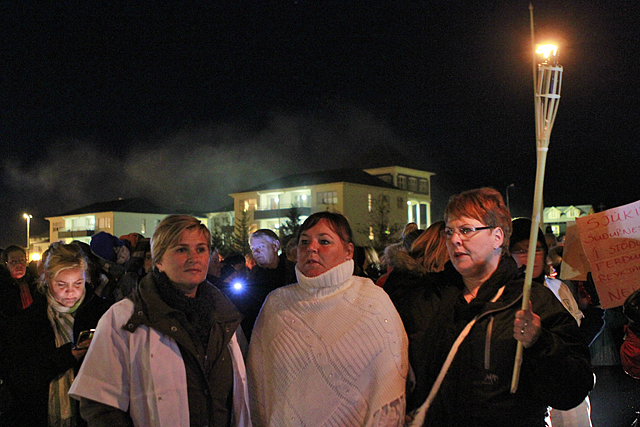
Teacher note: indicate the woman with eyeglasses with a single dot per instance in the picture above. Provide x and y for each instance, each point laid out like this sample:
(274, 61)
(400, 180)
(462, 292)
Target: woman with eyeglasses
(467, 353)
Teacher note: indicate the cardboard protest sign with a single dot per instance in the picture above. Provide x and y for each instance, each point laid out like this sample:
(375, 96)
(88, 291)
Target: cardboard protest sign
(575, 265)
(611, 242)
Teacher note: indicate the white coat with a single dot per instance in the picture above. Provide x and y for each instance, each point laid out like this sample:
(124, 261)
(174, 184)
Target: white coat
(144, 372)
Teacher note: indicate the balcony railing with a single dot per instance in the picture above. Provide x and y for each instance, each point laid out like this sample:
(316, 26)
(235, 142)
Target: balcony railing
(279, 213)
(75, 233)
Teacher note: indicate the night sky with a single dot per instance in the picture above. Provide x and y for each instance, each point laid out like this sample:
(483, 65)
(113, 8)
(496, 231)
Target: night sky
(185, 103)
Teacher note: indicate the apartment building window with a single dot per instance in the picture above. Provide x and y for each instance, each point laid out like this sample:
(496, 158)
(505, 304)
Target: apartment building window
(249, 204)
(143, 226)
(274, 202)
(58, 226)
(370, 202)
(104, 223)
(402, 182)
(327, 197)
(413, 184)
(301, 200)
(400, 203)
(573, 213)
(424, 186)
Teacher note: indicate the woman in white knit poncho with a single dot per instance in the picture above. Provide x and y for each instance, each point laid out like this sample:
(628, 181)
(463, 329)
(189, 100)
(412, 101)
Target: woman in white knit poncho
(329, 350)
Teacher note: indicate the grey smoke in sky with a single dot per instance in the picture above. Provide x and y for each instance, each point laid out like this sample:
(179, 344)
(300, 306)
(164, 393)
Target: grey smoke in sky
(194, 168)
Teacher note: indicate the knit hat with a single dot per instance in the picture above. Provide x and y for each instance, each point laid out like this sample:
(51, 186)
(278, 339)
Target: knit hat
(132, 239)
(521, 230)
(105, 246)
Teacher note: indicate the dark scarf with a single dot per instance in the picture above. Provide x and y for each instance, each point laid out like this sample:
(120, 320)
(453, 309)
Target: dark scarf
(198, 310)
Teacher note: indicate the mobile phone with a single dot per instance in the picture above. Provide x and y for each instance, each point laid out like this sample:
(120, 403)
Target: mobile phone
(84, 336)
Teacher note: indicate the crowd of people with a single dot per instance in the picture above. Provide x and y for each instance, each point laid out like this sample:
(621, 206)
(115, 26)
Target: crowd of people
(132, 331)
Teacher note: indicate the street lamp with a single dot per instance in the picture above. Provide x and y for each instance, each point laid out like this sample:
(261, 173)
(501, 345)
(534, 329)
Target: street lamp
(28, 218)
(507, 191)
(547, 82)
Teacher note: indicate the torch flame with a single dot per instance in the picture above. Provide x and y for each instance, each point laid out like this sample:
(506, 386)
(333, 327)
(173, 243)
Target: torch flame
(547, 50)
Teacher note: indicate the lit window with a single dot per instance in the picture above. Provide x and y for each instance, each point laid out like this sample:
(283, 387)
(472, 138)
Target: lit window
(104, 223)
(248, 204)
(327, 197)
(301, 200)
(274, 202)
(573, 213)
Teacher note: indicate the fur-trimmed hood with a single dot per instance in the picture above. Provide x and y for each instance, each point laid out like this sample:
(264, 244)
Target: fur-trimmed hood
(398, 258)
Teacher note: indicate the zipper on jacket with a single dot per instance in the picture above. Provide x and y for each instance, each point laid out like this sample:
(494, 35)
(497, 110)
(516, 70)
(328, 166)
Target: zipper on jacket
(487, 345)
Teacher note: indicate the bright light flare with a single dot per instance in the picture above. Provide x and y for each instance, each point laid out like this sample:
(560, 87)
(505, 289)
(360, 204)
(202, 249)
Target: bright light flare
(547, 50)
(237, 286)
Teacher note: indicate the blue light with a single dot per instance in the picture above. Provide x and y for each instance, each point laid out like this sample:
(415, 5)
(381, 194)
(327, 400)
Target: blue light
(237, 286)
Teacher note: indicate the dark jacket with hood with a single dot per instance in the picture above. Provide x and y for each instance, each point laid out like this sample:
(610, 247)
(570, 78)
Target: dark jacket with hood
(413, 291)
(555, 371)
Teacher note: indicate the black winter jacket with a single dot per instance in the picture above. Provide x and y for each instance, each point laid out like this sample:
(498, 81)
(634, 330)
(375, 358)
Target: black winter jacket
(555, 372)
(32, 360)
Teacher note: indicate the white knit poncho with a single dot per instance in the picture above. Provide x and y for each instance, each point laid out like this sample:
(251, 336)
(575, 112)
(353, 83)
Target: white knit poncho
(328, 351)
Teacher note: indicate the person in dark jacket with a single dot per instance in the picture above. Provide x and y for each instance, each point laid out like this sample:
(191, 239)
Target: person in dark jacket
(480, 310)
(409, 286)
(17, 282)
(41, 348)
(270, 272)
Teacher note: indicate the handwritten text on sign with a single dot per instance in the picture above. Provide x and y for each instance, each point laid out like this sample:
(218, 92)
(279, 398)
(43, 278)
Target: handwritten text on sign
(611, 241)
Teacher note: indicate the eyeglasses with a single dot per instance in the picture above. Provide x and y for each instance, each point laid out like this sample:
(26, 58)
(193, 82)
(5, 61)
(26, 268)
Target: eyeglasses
(17, 262)
(464, 232)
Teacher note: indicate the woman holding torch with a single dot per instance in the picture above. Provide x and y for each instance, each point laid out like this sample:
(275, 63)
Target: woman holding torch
(464, 375)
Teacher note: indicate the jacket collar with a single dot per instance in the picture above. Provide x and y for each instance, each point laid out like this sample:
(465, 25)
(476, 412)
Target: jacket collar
(150, 309)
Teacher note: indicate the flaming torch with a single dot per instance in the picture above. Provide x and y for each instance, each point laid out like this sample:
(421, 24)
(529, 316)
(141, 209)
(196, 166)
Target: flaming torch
(547, 81)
